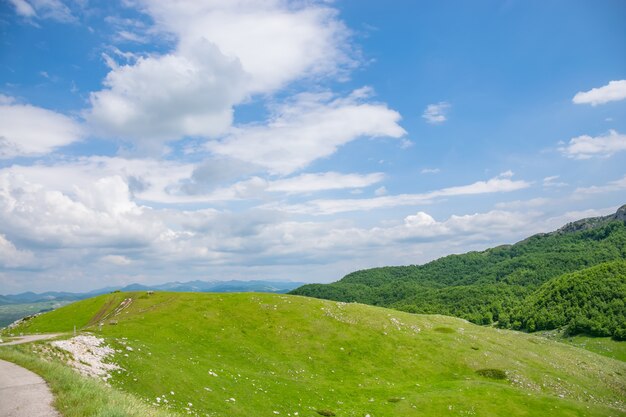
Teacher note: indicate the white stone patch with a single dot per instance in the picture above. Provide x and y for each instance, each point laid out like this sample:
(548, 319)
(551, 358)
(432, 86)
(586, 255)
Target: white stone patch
(88, 355)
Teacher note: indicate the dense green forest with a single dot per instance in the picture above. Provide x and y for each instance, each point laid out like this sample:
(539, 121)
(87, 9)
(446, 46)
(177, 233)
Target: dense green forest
(591, 301)
(499, 284)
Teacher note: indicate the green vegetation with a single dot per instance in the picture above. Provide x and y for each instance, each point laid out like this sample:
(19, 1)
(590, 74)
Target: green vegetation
(77, 396)
(263, 354)
(499, 285)
(591, 301)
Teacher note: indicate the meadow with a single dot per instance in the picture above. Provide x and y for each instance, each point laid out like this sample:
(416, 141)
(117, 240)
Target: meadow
(267, 354)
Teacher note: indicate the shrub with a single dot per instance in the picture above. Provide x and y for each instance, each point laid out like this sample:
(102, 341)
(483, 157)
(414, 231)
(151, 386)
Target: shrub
(492, 373)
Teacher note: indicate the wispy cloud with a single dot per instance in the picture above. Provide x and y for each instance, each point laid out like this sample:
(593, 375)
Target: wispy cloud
(327, 207)
(552, 181)
(616, 185)
(430, 171)
(613, 91)
(44, 9)
(436, 113)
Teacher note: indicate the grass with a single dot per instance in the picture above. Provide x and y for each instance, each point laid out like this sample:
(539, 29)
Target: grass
(601, 345)
(604, 346)
(78, 396)
(262, 354)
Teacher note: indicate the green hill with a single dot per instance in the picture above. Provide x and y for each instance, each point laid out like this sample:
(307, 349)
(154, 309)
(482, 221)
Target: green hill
(487, 286)
(591, 301)
(267, 355)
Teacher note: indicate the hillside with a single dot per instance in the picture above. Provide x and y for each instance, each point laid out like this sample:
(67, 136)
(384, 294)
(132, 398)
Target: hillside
(591, 301)
(268, 354)
(487, 286)
(14, 307)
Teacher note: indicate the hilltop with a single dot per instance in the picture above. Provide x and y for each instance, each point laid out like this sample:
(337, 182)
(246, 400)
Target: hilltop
(16, 306)
(267, 354)
(488, 286)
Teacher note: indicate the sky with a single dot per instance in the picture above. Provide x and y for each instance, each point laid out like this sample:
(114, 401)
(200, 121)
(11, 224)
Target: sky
(146, 141)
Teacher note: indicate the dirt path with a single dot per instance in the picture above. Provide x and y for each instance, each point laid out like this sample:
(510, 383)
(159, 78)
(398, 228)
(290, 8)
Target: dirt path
(22, 392)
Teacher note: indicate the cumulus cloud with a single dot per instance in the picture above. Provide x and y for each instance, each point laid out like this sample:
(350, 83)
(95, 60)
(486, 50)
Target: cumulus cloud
(11, 257)
(27, 130)
(326, 207)
(311, 127)
(613, 91)
(99, 216)
(167, 97)
(276, 41)
(224, 53)
(436, 113)
(586, 147)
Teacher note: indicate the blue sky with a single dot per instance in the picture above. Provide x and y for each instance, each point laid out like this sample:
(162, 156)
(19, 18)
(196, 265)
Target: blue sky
(150, 140)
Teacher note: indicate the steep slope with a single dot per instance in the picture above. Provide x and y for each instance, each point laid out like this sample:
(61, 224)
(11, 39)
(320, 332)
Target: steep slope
(484, 286)
(268, 354)
(591, 301)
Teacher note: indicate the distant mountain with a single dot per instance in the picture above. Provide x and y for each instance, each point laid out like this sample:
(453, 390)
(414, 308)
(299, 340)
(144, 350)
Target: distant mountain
(191, 286)
(488, 286)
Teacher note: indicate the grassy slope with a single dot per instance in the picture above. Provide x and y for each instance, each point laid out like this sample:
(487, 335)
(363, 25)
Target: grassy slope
(293, 354)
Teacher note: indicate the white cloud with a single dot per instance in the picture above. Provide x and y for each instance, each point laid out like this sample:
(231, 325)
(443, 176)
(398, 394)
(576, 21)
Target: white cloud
(585, 146)
(613, 91)
(30, 131)
(99, 216)
(326, 207)
(276, 41)
(430, 171)
(23, 8)
(523, 204)
(11, 257)
(5, 100)
(224, 53)
(436, 113)
(307, 183)
(312, 127)
(616, 185)
(45, 9)
(118, 260)
(551, 181)
(166, 97)
(169, 182)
